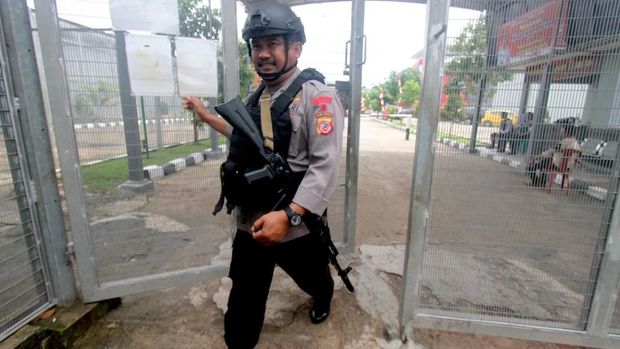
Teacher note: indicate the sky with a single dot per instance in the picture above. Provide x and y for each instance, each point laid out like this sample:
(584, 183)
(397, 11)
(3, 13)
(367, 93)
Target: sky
(394, 30)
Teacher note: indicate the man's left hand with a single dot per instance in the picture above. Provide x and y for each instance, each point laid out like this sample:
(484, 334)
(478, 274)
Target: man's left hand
(270, 228)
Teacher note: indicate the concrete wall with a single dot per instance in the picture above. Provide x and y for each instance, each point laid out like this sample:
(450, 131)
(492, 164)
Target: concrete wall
(565, 100)
(602, 108)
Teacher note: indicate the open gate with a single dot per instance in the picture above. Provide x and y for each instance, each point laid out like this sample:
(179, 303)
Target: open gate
(138, 222)
(497, 245)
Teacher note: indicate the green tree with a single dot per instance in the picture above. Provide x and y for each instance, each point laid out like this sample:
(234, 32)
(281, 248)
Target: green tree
(466, 65)
(246, 72)
(390, 89)
(92, 96)
(412, 86)
(197, 20)
(371, 98)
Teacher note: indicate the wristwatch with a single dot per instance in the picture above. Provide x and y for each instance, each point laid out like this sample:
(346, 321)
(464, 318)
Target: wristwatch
(294, 218)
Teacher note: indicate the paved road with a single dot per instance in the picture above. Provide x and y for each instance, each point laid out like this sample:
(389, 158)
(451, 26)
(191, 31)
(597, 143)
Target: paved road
(489, 234)
(478, 221)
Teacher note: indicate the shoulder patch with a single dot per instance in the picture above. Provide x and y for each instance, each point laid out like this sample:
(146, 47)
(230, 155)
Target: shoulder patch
(324, 123)
(322, 102)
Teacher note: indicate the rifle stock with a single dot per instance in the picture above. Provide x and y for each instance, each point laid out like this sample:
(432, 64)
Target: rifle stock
(235, 113)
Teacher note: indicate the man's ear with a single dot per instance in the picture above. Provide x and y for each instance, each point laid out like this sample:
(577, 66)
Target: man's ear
(297, 48)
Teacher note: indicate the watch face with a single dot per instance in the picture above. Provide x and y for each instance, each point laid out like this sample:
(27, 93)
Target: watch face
(296, 220)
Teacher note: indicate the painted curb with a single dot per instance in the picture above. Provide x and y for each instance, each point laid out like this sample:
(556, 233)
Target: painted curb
(154, 172)
(91, 125)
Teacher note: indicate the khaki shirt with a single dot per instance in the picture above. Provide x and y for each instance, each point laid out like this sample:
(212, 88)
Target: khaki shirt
(317, 120)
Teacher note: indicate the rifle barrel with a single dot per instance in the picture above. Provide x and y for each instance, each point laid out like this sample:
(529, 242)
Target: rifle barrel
(317, 225)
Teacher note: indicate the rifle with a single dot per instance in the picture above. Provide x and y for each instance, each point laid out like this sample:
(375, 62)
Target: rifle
(234, 113)
(319, 224)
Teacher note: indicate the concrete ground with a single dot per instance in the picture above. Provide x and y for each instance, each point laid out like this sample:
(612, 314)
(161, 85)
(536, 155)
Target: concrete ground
(192, 316)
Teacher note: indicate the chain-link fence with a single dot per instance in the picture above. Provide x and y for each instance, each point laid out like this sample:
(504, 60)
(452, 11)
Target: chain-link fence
(525, 173)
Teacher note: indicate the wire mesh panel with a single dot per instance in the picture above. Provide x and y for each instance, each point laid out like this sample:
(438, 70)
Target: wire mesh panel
(149, 173)
(525, 172)
(90, 61)
(23, 289)
(615, 321)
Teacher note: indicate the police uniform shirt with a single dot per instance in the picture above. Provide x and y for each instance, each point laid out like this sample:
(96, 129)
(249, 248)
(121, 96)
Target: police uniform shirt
(317, 122)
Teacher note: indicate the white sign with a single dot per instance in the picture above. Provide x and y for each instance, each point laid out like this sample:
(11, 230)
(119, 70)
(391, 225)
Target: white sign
(155, 16)
(150, 65)
(197, 67)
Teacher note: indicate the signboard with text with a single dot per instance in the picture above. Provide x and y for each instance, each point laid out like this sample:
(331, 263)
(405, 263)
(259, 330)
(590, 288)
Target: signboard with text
(533, 33)
(567, 68)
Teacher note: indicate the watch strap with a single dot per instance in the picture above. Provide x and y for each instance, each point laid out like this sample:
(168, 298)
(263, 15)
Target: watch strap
(290, 213)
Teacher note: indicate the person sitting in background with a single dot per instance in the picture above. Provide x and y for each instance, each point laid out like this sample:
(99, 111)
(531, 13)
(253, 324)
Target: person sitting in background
(568, 149)
(519, 135)
(505, 126)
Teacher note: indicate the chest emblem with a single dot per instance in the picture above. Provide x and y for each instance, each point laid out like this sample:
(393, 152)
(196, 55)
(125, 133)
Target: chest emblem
(294, 106)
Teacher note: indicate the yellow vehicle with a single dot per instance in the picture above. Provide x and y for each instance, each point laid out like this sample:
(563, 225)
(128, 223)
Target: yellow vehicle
(494, 117)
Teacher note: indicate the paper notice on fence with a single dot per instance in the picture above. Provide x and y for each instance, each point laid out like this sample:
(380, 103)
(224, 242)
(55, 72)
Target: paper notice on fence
(150, 65)
(197, 67)
(155, 16)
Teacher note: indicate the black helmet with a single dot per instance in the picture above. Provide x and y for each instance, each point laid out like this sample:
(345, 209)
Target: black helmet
(272, 19)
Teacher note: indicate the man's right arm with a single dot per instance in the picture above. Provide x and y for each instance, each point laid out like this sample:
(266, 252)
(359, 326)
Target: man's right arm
(201, 112)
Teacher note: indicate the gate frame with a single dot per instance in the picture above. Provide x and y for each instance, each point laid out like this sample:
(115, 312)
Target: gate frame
(26, 109)
(82, 245)
(607, 284)
(38, 161)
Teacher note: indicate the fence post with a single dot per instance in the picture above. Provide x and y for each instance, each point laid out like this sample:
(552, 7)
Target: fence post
(357, 58)
(213, 134)
(598, 310)
(230, 49)
(27, 85)
(136, 182)
(437, 23)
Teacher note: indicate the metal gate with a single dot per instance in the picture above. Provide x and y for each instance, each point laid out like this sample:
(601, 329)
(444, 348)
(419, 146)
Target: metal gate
(24, 292)
(144, 177)
(514, 213)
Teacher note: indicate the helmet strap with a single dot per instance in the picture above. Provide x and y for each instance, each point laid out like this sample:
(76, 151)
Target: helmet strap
(275, 76)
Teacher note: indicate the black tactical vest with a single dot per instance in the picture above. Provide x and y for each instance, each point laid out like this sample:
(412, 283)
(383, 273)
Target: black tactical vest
(243, 157)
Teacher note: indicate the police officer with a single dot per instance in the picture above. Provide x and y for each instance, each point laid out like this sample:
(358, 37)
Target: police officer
(312, 125)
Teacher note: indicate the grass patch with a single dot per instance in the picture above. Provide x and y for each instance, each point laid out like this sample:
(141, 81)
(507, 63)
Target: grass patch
(105, 176)
(458, 139)
(453, 137)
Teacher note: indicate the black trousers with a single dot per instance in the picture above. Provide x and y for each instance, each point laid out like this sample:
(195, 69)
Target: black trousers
(536, 170)
(251, 270)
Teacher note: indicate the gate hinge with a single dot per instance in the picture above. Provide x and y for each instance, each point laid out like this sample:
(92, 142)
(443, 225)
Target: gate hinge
(33, 192)
(69, 252)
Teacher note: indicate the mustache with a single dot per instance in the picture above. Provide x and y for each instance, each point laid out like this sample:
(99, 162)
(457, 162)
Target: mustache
(263, 63)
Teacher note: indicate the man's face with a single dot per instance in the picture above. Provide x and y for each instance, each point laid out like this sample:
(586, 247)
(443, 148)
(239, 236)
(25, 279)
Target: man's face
(269, 54)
